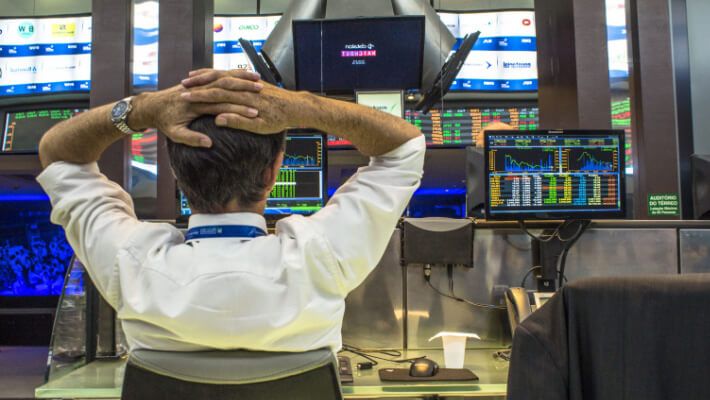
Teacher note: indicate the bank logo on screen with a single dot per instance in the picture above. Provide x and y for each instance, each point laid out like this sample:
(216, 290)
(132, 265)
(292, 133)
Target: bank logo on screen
(26, 30)
(218, 28)
(64, 30)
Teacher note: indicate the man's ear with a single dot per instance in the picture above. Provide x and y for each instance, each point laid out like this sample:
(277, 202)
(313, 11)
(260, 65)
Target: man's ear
(273, 172)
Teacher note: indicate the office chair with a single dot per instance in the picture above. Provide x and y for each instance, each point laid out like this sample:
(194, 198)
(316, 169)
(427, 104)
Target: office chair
(629, 338)
(234, 375)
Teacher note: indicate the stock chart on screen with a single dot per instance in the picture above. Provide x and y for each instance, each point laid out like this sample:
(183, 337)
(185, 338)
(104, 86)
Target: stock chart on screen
(24, 129)
(453, 127)
(575, 174)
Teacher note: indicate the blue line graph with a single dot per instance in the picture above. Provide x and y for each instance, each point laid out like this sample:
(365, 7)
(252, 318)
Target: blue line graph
(589, 163)
(291, 160)
(513, 165)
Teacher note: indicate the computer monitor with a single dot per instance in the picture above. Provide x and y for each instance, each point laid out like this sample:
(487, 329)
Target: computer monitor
(23, 129)
(554, 174)
(301, 183)
(344, 55)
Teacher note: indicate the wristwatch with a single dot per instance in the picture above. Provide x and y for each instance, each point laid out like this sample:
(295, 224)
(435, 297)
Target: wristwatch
(119, 114)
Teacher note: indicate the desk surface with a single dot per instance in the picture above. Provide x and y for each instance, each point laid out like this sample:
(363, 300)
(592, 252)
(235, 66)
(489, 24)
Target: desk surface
(103, 379)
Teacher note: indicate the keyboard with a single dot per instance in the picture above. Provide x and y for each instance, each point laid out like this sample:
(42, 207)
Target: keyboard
(345, 369)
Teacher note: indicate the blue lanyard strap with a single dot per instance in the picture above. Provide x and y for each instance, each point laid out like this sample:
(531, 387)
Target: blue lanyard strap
(224, 231)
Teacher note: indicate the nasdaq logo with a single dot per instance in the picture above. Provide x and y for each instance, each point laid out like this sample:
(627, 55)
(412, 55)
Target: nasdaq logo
(26, 29)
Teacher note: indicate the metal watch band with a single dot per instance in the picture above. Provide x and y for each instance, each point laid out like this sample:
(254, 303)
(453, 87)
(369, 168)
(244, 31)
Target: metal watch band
(121, 124)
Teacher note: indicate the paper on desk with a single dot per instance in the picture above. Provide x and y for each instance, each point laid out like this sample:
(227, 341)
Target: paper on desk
(455, 334)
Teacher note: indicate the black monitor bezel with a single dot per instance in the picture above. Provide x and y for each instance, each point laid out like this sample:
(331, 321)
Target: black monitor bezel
(36, 95)
(495, 10)
(564, 214)
(420, 63)
(33, 107)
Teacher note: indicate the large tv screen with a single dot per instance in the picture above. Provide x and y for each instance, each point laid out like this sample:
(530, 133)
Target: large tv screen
(359, 54)
(505, 56)
(228, 53)
(34, 253)
(45, 55)
(145, 45)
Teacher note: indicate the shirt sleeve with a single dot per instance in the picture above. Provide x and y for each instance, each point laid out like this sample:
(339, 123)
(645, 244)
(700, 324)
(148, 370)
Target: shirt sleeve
(97, 216)
(357, 223)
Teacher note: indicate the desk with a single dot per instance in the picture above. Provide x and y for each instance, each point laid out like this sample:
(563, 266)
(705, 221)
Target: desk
(103, 379)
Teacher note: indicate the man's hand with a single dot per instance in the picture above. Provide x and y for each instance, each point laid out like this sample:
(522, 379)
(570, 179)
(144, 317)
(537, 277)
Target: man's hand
(271, 110)
(170, 112)
(495, 126)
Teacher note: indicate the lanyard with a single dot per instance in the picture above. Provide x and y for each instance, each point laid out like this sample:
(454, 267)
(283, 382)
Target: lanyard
(224, 231)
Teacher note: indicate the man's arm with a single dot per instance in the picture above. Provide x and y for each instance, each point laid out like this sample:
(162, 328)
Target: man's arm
(371, 132)
(84, 138)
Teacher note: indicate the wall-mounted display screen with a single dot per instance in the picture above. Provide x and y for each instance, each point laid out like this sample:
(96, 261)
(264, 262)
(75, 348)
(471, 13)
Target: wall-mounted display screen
(228, 53)
(463, 126)
(505, 56)
(616, 40)
(34, 253)
(556, 174)
(145, 45)
(23, 129)
(45, 55)
(300, 184)
(359, 54)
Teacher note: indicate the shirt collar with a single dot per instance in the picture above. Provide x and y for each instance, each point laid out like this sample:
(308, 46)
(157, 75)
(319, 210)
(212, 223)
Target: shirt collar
(239, 218)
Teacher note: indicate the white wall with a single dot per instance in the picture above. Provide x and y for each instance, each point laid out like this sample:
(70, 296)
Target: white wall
(698, 33)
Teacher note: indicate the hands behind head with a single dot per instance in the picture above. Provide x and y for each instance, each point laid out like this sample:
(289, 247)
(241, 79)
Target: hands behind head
(236, 98)
(252, 106)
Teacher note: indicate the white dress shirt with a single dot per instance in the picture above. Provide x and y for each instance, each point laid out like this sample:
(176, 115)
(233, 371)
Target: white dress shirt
(282, 292)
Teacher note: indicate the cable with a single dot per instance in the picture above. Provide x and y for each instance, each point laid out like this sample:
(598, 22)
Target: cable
(527, 274)
(506, 237)
(368, 355)
(546, 238)
(562, 259)
(452, 296)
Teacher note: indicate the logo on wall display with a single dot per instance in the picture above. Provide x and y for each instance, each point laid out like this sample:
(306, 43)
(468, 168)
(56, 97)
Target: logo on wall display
(64, 30)
(218, 28)
(26, 29)
(527, 22)
(359, 50)
(248, 27)
(29, 68)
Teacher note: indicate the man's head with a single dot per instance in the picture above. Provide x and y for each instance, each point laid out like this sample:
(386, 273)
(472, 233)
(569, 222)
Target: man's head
(238, 171)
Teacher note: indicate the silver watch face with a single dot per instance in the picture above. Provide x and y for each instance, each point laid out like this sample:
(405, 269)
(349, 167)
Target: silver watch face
(119, 110)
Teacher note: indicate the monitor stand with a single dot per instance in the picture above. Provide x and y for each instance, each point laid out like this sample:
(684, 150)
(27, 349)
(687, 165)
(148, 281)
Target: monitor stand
(546, 254)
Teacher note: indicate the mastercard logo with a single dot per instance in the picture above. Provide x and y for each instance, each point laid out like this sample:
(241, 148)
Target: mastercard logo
(527, 22)
(218, 28)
